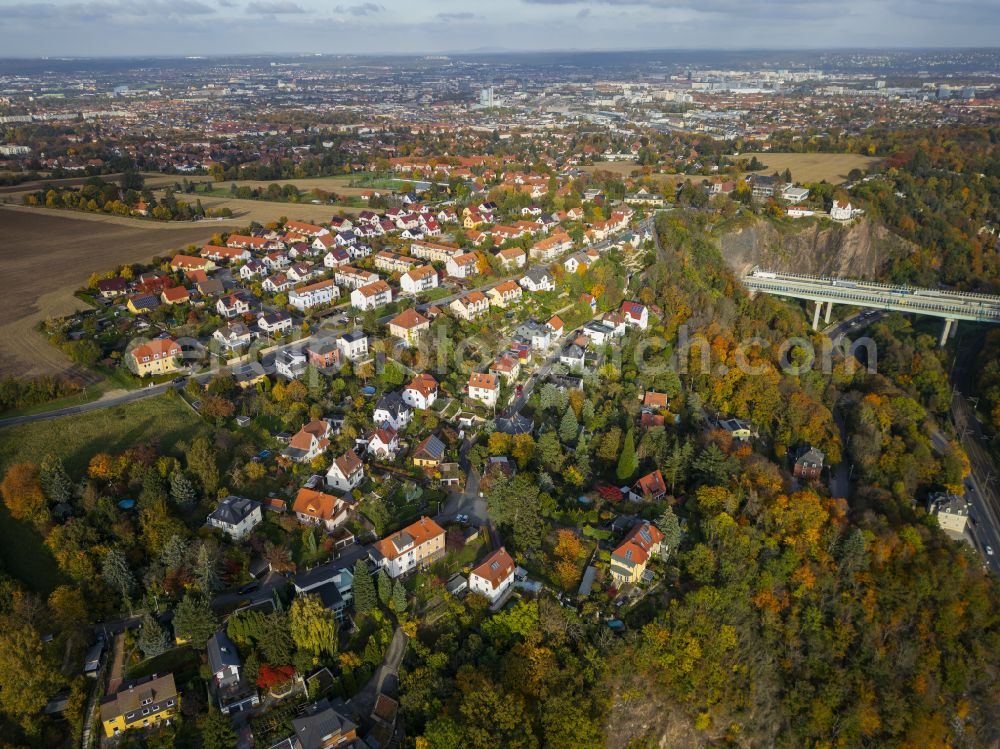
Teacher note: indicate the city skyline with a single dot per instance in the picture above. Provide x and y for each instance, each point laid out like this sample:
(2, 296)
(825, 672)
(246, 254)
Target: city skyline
(227, 27)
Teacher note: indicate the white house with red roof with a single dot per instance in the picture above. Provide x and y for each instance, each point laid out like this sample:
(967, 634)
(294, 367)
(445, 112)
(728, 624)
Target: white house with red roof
(494, 577)
(635, 314)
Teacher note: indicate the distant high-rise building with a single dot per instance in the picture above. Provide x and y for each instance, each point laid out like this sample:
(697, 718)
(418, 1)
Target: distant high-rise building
(486, 97)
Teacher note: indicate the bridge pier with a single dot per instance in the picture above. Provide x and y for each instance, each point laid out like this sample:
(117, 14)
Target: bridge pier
(829, 311)
(819, 308)
(947, 332)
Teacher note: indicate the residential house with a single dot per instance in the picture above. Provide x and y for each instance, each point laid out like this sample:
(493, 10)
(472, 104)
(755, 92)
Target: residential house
(149, 701)
(793, 194)
(371, 296)
(494, 577)
(333, 586)
(650, 486)
(353, 345)
(336, 258)
(393, 410)
(313, 507)
(235, 516)
(306, 297)
(324, 353)
(232, 693)
(738, 428)
(421, 392)
(573, 357)
(230, 254)
(309, 230)
(109, 288)
(156, 357)
(415, 546)
(808, 463)
(175, 295)
(436, 253)
(232, 305)
(504, 294)
(506, 366)
(462, 266)
(346, 472)
(843, 211)
(551, 247)
(419, 280)
(429, 452)
(635, 314)
(320, 726)
(512, 257)
(952, 513)
(484, 387)
(384, 442)
(538, 279)
(392, 262)
(189, 262)
(353, 278)
(599, 333)
(141, 304)
(233, 336)
(277, 283)
(629, 560)
(275, 324)
(309, 442)
(303, 271)
(470, 306)
(537, 335)
(290, 364)
(408, 326)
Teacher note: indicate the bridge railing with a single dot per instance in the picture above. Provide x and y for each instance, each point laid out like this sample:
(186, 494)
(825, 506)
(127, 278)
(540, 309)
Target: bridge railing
(846, 283)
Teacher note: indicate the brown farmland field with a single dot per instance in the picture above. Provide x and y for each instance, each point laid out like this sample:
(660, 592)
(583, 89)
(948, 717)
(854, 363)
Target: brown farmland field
(48, 254)
(814, 167)
(264, 212)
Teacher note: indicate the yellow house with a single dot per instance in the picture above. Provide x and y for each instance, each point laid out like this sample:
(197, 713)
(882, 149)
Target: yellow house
(159, 356)
(140, 305)
(472, 221)
(150, 701)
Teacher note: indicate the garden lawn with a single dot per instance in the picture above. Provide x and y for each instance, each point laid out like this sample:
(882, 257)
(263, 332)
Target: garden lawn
(163, 421)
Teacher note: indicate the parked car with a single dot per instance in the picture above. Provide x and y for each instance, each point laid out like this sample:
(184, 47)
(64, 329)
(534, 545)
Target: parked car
(249, 588)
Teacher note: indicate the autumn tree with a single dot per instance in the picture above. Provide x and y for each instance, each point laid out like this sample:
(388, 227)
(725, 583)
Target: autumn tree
(28, 675)
(313, 627)
(22, 493)
(201, 461)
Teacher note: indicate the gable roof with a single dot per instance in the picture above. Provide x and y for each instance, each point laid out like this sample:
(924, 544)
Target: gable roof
(409, 319)
(412, 536)
(637, 546)
(496, 568)
(314, 504)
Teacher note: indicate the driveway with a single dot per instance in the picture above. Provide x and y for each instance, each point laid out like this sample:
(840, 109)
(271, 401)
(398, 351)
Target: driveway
(385, 678)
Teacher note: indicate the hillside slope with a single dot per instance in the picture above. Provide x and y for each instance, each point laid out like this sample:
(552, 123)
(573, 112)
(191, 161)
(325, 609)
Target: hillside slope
(858, 250)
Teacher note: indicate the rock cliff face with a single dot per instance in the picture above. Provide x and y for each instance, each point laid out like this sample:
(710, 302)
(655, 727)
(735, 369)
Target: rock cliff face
(857, 250)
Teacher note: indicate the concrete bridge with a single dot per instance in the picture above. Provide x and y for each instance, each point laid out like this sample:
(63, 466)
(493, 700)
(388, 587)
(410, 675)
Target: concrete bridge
(952, 306)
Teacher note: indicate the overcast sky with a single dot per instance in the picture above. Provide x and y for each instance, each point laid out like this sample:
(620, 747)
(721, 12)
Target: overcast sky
(199, 27)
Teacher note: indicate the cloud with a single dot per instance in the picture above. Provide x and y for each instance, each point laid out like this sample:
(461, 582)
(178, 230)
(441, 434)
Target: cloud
(362, 9)
(584, 12)
(461, 16)
(274, 7)
(83, 12)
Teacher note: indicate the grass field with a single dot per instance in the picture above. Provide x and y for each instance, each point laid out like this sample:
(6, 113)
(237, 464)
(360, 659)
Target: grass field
(49, 254)
(14, 192)
(815, 167)
(621, 168)
(263, 211)
(162, 421)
